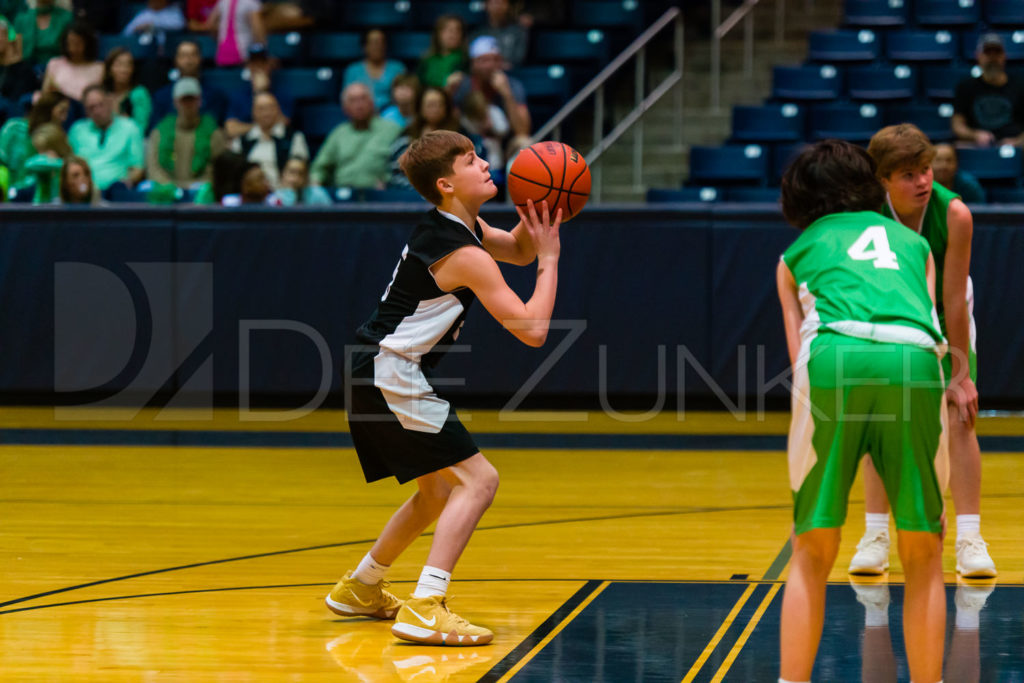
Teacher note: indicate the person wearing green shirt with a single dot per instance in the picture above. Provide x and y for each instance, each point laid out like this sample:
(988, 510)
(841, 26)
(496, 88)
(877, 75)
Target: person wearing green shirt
(15, 136)
(112, 145)
(857, 291)
(356, 153)
(447, 59)
(121, 79)
(41, 30)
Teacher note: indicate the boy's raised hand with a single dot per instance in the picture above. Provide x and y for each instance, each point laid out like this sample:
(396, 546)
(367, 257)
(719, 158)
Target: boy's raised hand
(542, 230)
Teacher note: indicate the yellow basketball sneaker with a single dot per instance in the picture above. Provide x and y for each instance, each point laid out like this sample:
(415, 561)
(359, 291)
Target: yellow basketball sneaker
(352, 598)
(428, 620)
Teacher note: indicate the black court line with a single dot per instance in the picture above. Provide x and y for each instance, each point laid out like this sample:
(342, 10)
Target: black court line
(540, 633)
(570, 520)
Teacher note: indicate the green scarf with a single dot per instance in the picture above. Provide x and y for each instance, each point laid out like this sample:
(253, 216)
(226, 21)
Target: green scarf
(168, 130)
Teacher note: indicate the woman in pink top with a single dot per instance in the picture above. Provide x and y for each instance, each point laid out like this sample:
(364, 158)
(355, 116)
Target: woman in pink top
(78, 67)
(239, 24)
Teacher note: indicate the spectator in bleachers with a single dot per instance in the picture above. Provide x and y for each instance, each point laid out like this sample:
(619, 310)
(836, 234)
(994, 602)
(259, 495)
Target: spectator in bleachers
(130, 98)
(434, 111)
(16, 135)
(405, 93)
(947, 173)
(159, 17)
(17, 77)
(271, 141)
(12, 51)
(10, 9)
(76, 186)
(295, 189)
(376, 70)
(488, 123)
(112, 144)
(78, 66)
(261, 79)
(356, 153)
(497, 88)
(103, 15)
(237, 181)
(41, 30)
(188, 63)
(182, 146)
(513, 38)
(51, 143)
(199, 10)
(444, 63)
(281, 16)
(239, 24)
(989, 110)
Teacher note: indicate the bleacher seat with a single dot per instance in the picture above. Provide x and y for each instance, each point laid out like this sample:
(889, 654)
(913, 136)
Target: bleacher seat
(684, 194)
(806, 82)
(543, 82)
(207, 44)
(875, 12)
(553, 47)
(992, 163)
(939, 82)
(753, 194)
(844, 46)
(946, 12)
(290, 47)
(1004, 13)
(1006, 195)
(1013, 42)
(881, 82)
(366, 14)
(21, 195)
(142, 46)
(409, 46)
(626, 14)
(225, 79)
(782, 156)
(728, 164)
(852, 122)
(922, 46)
(770, 123)
(334, 47)
(934, 120)
(311, 83)
(426, 12)
(318, 119)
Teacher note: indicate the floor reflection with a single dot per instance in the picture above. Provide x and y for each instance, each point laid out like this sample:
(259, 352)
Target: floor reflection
(376, 657)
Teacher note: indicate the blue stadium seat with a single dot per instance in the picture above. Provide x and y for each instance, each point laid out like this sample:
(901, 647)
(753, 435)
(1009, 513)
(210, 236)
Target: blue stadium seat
(844, 46)
(225, 79)
(389, 14)
(128, 10)
(608, 14)
(393, 195)
(684, 194)
(770, 123)
(753, 194)
(875, 12)
(119, 193)
(939, 82)
(1004, 12)
(142, 46)
(409, 46)
(1013, 42)
(806, 82)
(934, 120)
(551, 47)
(946, 12)
(317, 120)
(543, 82)
(207, 44)
(426, 12)
(782, 155)
(334, 47)
(21, 195)
(852, 122)
(290, 48)
(311, 83)
(881, 82)
(1006, 195)
(922, 46)
(992, 163)
(728, 164)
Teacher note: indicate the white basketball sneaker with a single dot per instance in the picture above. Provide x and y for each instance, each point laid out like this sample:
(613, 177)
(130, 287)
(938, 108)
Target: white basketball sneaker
(872, 556)
(972, 558)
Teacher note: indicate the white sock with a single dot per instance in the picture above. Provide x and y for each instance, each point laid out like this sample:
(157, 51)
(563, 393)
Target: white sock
(876, 521)
(433, 581)
(370, 571)
(968, 525)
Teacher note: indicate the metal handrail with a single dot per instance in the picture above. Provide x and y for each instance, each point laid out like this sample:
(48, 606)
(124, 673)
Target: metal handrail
(719, 29)
(641, 104)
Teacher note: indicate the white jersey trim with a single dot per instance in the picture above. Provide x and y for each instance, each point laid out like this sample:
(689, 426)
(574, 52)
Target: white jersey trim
(417, 333)
(888, 333)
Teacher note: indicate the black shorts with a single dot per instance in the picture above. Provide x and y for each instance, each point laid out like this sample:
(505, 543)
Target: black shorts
(400, 427)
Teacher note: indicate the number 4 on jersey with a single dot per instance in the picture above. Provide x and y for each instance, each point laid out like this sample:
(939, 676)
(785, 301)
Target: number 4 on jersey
(873, 245)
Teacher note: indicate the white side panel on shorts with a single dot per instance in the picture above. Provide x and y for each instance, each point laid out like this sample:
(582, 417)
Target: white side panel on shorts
(408, 393)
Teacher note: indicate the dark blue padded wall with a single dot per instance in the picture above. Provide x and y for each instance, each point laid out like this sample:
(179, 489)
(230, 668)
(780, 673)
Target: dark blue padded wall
(128, 302)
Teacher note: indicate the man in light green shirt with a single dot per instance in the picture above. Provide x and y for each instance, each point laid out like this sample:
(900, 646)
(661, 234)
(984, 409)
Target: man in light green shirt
(356, 153)
(112, 145)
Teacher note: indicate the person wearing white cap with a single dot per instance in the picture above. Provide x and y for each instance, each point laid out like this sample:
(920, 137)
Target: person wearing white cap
(989, 109)
(183, 145)
(513, 36)
(487, 77)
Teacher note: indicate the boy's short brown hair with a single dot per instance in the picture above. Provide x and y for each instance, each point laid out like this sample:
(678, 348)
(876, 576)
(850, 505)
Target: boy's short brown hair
(832, 176)
(901, 146)
(431, 157)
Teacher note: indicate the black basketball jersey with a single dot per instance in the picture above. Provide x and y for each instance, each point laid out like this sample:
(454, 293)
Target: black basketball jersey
(415, 318)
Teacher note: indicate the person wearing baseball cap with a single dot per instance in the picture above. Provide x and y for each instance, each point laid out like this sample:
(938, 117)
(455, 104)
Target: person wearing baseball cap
(989, 109)
(487, 77)
(181, 148)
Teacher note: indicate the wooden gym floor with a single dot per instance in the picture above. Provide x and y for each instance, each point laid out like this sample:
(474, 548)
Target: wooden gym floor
(198, 547)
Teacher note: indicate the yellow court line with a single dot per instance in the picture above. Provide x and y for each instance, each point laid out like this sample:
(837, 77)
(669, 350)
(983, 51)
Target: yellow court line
(735, 651)
(719, 634)
(551, 636)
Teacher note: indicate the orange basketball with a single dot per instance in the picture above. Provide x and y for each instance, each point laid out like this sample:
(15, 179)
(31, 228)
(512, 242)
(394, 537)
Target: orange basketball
(551, 171)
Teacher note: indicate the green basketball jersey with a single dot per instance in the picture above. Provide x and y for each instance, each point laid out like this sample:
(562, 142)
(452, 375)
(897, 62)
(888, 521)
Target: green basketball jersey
(934, 229)
(863, 275)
